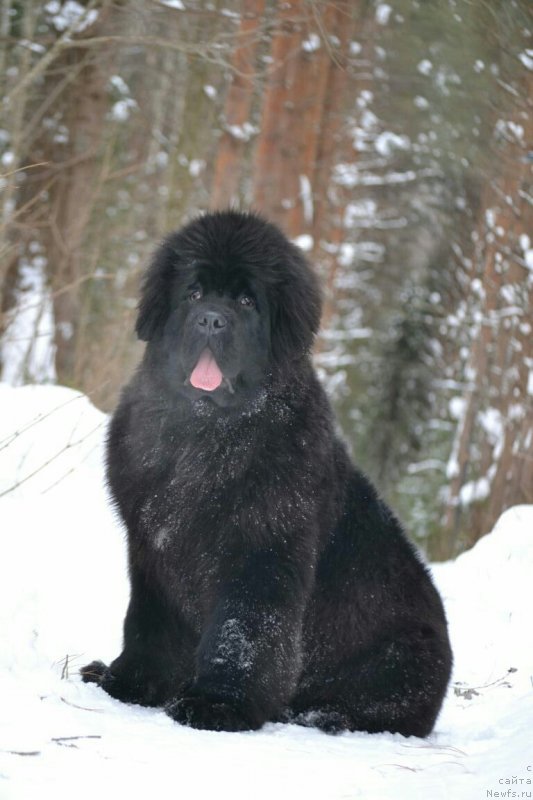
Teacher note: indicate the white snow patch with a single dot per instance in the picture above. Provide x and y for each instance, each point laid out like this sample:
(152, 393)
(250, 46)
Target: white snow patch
(27, 348)
(121, 110)
(305, 242)
(364, 98)
(33, 46)
(312, 43)
(474, 490)
(349, 175)
(177, 4)
(362, 214)
(525, 241)
(63, 590)
(372, 252)
(527, 59)
(118, 83)
(387, 142)
(509, 130)
(368, 120)
(363, 208)
(525, 244)
(160, 159)
(196, 167)
(8, 158)
(425, 66)
(346, 254)
(457, 407)
(383, 12)
(70, 15)
(242, 132)
(306, 196)
(492, 422)
(421, 102)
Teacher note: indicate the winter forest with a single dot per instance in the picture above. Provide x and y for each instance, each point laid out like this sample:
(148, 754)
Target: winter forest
(393, 141)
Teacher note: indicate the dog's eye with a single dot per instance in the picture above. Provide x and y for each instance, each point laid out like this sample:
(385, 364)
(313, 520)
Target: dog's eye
(246, 301)
(194, 295)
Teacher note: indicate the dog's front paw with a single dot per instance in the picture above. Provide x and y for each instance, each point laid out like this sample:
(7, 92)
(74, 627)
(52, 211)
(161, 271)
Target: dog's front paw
(128, 683)
(211, 713)
(94, 672)
(99, 673)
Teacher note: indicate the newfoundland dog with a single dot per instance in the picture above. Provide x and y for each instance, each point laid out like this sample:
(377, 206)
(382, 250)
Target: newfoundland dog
(269, 581)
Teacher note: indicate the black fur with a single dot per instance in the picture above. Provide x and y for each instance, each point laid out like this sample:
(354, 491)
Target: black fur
(268, 579)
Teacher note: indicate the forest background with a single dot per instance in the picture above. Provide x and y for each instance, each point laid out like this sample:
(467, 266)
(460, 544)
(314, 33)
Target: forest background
(393, 141)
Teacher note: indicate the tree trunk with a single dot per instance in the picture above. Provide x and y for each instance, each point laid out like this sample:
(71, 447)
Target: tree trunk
(298, 92)
(238, 108)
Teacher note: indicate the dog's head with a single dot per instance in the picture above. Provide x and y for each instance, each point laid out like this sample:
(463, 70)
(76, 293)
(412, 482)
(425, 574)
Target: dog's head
(227, 303)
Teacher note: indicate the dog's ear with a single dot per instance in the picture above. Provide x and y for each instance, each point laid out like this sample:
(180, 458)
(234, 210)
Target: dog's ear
(297, 308)
(154, 305)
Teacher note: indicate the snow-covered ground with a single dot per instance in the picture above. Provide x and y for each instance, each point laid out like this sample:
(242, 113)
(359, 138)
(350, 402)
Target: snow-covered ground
(63, 593)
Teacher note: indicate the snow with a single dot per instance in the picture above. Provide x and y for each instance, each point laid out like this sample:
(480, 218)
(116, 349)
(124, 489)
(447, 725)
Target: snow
(27, 348)
(474, 491)
(312, 43)
(425, 66)
(527, 250)
(387, 142)
(8, 158)
(118, 83)
(348, 175)
(196, 167)
(70, 15)
(304, 241)
(421, 102)
(383, 12)
(509, 130)
(177, 4)
(457, 407)
(306, 196)
(243, 133)
(121, 110)
(63, 591)
(527, 59)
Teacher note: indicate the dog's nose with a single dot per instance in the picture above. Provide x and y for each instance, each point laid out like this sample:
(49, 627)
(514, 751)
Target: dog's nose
(212, 321)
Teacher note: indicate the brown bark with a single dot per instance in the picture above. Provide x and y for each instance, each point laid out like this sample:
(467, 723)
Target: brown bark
(238, 107)
(300, 100)
(72, 197)
(304, 130)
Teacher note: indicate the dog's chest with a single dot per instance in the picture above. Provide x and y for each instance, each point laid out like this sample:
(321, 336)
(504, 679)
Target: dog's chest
(216, 495)
(190, 502)
(189, 524)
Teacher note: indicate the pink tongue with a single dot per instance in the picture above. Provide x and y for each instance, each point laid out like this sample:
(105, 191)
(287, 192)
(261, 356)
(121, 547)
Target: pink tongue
(206, 374)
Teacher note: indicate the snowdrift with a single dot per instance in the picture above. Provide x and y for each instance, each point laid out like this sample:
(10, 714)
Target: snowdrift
(63, 594)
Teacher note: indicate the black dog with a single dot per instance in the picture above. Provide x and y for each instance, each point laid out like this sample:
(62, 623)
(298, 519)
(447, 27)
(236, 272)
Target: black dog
(268, 579)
